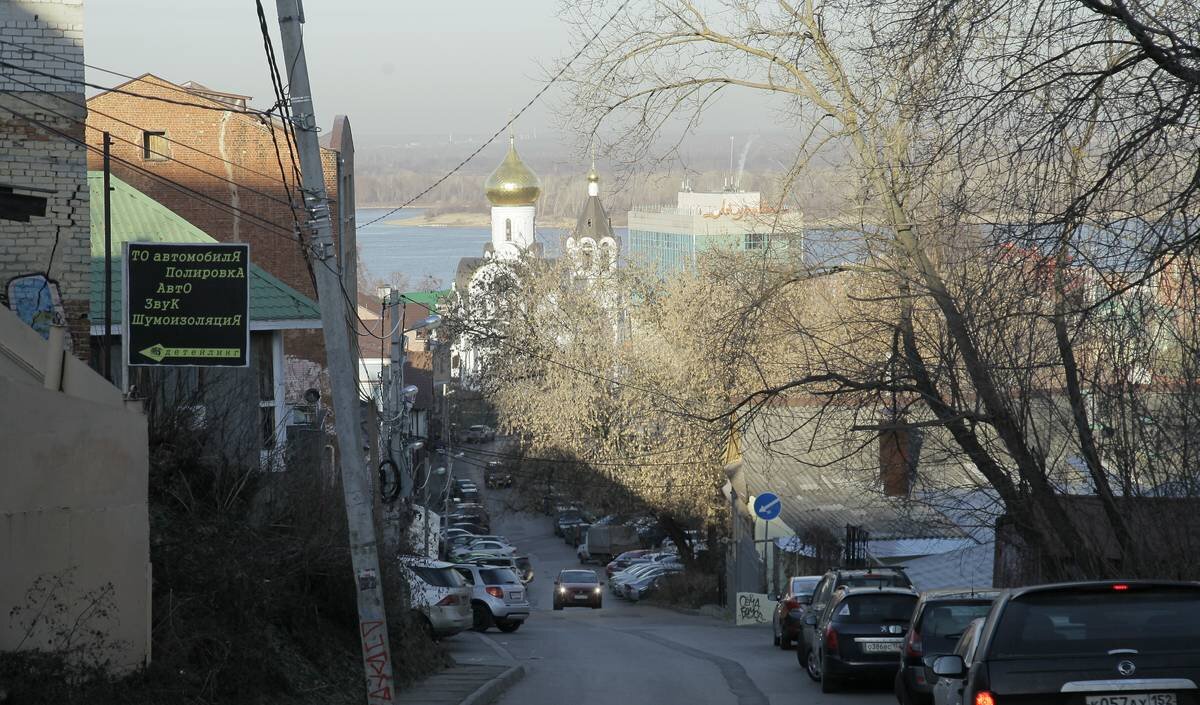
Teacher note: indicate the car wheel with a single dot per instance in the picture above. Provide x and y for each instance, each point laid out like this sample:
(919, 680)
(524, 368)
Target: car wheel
(811, 667)
(557, 606)
(785, 641)
(482, 618)
(597, 605)
(508, 627)
(829, 684)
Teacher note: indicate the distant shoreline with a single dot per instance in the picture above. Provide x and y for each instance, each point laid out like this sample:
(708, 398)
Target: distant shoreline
(469, 220)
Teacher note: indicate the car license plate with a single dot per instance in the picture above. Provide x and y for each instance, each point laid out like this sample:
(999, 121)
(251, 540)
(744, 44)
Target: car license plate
(581, 597)
(1132, 699)
(884, 647)
(516, 596)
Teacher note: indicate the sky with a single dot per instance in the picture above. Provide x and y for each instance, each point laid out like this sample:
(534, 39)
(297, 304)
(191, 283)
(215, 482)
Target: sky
(396, 67)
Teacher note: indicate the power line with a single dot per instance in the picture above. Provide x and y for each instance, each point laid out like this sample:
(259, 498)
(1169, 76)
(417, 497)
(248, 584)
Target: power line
(109, 89)
(506, 125)
(135, 144)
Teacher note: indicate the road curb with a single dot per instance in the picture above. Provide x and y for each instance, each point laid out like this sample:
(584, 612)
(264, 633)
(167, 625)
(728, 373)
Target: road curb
(491, 691)
(712, 611)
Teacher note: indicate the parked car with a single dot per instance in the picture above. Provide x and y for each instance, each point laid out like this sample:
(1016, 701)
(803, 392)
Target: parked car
(647, 583)
(939, 620)
(518, 564)
(497, 474)
(948, 691)
(859, 635)
(634, 572)
(479, 433)
(785, 623)
(439, 593)
(1088, 643)
(482, 547)
(579, 588)
(497, 597)
(855, 577)
(566, 518)
(623, 561)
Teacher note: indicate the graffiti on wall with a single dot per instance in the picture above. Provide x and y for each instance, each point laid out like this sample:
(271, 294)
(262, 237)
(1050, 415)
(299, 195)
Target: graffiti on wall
(37, 301)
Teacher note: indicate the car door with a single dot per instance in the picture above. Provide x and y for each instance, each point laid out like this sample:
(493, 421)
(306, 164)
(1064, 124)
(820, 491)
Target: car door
(821, 597)
(949, 691)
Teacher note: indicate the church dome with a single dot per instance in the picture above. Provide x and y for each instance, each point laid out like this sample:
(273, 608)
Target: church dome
(512, 183)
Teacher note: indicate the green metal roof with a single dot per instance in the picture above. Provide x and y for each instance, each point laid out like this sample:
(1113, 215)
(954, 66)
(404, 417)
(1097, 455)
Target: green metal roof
(428, 299)
(138, 218)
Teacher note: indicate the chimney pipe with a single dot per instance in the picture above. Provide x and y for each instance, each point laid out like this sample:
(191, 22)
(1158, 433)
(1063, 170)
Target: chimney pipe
(52, 378)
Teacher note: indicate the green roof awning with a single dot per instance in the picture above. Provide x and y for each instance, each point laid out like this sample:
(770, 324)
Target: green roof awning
(138, 218)
(428, 299)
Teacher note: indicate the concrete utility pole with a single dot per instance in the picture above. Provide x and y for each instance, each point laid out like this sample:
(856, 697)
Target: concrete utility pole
(372, 617)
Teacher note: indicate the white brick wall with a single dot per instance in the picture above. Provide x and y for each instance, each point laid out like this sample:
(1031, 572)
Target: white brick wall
(37, 156)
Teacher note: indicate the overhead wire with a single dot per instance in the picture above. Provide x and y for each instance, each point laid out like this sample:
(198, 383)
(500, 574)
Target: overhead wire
(505, 126)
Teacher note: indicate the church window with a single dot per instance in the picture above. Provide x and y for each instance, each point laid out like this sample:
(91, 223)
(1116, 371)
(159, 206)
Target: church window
(587, 258)
(508, 229)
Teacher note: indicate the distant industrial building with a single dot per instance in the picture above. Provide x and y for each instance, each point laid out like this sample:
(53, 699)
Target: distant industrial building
(670, 237)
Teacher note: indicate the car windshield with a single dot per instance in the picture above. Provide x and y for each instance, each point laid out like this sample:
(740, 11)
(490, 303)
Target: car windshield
(871, 609)
(1095, 622)
(874, 580)
(438, 577)
(577, 576)
(498, 576)
(944, 622)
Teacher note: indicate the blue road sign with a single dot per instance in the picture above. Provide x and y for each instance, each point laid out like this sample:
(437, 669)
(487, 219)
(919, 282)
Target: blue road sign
(767, 505)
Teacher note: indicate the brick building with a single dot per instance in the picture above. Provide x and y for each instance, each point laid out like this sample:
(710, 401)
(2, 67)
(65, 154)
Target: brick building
(228, 155)
(44, 246)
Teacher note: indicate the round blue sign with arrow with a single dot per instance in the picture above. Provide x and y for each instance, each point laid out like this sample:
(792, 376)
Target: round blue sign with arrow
(767, 506)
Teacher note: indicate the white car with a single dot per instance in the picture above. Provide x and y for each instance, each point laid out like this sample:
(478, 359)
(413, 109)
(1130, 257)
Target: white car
(439, 593)
(488, 546)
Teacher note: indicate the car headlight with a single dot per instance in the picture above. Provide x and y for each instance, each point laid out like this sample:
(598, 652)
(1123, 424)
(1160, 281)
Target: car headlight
(597, 590)
(562, 590)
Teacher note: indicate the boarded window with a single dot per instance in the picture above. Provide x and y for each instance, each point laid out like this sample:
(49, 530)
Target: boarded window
(155, 146)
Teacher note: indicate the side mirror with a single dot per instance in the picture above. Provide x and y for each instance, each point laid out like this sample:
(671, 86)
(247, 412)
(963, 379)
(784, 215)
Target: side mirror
(951, 666)
(810, 620)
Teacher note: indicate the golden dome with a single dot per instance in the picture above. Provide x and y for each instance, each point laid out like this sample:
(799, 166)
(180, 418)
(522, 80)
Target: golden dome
(512, 183)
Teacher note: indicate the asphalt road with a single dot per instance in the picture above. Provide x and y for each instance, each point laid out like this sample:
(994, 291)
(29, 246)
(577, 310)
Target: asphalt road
(635, 654)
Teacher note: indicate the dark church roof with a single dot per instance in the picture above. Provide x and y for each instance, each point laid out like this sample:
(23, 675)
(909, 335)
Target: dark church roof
(593, 222)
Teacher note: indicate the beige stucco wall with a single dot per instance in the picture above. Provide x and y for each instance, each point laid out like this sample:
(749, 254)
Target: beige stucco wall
(73, 481)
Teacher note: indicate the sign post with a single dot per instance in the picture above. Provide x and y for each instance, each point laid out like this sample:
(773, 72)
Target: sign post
(767, 506)
(186, 304)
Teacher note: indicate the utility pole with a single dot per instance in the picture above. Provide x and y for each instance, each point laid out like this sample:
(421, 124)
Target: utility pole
(372, 616)
(107, 347)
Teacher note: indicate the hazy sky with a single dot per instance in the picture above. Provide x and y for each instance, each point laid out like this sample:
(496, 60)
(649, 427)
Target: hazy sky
(393, 66)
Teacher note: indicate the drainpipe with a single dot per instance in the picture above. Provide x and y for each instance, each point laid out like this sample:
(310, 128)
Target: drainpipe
(54, 358)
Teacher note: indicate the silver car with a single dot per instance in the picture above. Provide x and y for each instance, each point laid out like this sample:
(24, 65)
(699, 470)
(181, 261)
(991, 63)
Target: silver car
(497, 597)
(439, 593)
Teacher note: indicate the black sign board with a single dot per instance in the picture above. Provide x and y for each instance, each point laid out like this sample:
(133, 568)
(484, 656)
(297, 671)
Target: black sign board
(187, 304)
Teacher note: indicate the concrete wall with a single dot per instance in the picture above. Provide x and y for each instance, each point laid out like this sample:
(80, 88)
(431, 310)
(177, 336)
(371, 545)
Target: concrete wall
(73, 483)
(41, 129)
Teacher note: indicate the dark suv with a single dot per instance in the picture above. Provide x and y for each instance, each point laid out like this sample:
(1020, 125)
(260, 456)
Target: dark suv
(1093, 643)
(939, 620)
(858, 635)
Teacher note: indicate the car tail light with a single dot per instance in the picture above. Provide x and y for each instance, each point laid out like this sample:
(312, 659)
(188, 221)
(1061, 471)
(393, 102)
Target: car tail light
(494, 591)
(913, 645)
(1119, 587)
(448, 601)
(831, 639)
(985, 697)
(791, 604)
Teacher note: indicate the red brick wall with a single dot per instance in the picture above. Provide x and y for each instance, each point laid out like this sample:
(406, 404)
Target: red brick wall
(201, 138)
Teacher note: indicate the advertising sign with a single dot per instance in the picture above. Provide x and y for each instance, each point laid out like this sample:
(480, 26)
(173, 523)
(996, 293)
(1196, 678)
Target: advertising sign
(187, 304)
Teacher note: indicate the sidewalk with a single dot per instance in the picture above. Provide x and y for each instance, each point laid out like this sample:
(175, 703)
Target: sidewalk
(481, 673)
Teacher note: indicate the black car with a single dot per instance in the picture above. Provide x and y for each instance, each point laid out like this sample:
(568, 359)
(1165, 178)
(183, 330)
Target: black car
(1087, 643)
(940, 618)
(858, 635)
(496, 474)
(567, 518)
(893, 576)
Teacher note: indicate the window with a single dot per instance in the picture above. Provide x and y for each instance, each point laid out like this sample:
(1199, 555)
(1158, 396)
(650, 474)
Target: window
(755, 241)
(155, 146)
(508, 229)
